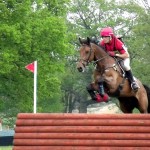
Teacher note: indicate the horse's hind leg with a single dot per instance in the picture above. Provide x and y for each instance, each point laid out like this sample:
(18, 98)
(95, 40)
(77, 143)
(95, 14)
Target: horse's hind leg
(125, 104)
(142, 100)
(143, 104)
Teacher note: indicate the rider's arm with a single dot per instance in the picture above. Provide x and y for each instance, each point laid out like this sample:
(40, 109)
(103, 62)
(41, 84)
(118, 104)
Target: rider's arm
(122, 49)
(123, 56)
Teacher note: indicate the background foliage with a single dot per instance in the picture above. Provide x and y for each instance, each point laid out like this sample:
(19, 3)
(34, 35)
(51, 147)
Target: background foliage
(48, 31)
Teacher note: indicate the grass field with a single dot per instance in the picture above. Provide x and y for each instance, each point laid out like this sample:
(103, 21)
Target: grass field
(5, 147)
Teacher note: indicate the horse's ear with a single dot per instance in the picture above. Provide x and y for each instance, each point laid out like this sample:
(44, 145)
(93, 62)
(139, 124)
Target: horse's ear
(88, 40)
(80, 40)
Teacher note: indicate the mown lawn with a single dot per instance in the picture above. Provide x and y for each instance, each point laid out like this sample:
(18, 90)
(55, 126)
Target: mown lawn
(136, 111)
(5, 147)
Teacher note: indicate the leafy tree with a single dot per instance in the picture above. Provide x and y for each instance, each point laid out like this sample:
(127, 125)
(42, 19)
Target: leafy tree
(138, 40)
(32, 31)
(38, 30)
(87, 17)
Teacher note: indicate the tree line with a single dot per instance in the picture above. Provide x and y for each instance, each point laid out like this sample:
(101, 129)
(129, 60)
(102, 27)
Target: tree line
(48, 31)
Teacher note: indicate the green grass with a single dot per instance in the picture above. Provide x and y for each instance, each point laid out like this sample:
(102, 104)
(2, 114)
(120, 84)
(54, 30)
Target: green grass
(5, 147)
(136, 111)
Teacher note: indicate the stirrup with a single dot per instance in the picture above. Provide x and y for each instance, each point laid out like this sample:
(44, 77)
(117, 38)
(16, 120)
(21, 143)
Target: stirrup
(134, 86)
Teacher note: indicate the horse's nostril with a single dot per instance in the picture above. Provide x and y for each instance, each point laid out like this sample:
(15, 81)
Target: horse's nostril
(80, 69)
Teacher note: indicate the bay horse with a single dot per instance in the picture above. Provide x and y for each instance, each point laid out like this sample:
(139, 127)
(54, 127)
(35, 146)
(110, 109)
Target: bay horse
(116, 84)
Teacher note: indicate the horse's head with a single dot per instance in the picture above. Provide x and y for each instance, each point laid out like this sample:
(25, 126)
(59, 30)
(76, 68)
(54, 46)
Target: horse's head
(86, 54)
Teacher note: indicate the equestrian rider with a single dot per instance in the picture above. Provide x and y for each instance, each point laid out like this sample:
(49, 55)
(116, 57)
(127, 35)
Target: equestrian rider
(111, 43)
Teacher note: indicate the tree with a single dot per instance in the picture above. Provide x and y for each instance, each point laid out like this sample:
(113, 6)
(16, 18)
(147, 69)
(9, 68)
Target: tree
(138, 39)
(29, 34)
(87, 17)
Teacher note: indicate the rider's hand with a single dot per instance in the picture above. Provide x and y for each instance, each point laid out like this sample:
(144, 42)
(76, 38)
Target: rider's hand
(111, 53)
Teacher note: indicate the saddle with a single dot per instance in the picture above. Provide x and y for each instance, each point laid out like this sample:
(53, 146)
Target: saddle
(120, 63)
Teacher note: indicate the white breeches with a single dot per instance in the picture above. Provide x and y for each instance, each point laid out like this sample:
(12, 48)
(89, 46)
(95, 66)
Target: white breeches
(127, 64)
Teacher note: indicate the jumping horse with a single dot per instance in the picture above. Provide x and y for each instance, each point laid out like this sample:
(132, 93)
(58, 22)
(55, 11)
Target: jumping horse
(116, 85)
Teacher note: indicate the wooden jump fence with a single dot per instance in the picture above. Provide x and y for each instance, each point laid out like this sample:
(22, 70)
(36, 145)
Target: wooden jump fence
(51, 131)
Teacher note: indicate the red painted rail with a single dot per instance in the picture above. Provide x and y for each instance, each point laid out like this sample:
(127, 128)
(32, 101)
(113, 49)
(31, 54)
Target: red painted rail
(45, 131)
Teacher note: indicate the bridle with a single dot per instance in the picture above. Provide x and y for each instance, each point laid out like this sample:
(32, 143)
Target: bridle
(86, 60)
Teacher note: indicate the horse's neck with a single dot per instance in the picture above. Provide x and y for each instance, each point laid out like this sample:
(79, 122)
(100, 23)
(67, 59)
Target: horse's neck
(99, 51)
(104, 59)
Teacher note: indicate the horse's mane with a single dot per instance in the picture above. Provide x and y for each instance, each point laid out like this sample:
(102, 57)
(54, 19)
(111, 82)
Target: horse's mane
(99, 47)
(89, 41)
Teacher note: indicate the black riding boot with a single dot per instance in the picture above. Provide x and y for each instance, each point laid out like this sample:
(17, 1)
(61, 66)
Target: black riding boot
(134, 85)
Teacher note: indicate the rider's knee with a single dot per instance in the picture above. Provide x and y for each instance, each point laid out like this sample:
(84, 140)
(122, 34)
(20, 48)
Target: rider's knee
(127, 67)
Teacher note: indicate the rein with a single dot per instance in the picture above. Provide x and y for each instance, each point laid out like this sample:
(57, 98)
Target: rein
(99, 59)
(94, 62)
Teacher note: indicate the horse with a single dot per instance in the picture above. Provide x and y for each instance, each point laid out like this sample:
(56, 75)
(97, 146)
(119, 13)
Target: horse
(115, 83)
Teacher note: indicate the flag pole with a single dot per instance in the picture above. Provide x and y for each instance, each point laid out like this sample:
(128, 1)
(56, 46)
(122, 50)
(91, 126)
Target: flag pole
(35, 87)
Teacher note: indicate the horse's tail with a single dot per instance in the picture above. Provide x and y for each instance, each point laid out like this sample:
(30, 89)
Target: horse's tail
(148, 95)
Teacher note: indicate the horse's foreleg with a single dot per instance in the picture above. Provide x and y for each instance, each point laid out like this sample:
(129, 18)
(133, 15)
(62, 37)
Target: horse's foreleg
(91, 90)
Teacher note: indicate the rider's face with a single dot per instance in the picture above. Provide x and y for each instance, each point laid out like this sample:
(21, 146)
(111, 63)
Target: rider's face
(106, 39)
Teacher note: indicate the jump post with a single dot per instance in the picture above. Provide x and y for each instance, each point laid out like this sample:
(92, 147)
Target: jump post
(60, 131)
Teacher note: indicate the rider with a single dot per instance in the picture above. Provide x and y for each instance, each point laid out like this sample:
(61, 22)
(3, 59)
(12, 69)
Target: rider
(111, 43)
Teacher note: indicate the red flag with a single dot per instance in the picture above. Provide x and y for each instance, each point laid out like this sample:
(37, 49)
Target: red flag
(30, 67)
